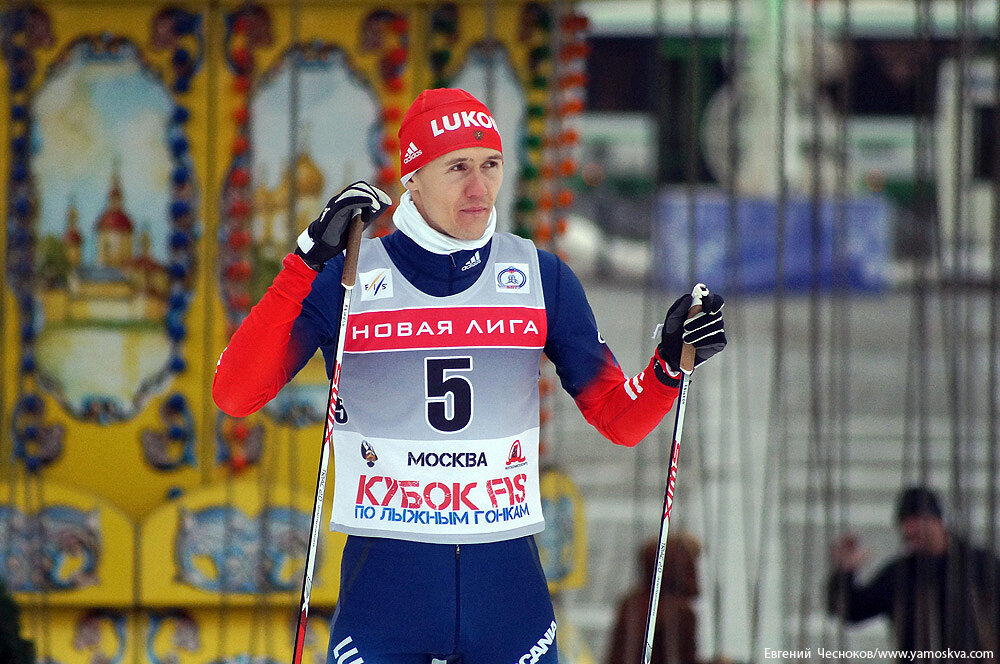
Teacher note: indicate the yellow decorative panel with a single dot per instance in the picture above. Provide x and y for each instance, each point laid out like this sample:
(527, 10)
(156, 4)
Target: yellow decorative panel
(65, 547)
(238, 544)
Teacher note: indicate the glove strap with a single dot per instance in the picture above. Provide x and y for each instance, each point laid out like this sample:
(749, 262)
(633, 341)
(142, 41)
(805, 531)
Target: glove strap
(664, 373)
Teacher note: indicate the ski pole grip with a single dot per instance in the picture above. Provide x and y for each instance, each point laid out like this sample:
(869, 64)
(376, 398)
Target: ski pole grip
(354, 231)
(687, 350)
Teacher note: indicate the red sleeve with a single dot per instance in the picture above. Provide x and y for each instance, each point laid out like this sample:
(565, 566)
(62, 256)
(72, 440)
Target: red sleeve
(625, 409)
(261, 356)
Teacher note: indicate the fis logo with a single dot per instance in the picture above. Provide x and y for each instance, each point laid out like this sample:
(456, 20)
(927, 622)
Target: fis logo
(472, 262)
(516, 458)
(512, 277)
(412, 152)
(368, 453)
(376, 284)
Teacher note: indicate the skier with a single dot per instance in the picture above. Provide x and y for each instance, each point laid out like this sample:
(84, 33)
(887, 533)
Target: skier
(436, 439)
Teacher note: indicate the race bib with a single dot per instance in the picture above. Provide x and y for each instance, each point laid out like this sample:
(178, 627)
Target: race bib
(437, 491)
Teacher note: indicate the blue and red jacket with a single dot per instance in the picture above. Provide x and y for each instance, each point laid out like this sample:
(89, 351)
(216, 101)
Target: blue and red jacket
(300, 312)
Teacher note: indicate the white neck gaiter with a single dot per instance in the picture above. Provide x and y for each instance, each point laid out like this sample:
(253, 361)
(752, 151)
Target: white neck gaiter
(408, 219)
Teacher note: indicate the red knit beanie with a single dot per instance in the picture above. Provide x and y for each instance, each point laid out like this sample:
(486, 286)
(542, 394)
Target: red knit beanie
(440, 121)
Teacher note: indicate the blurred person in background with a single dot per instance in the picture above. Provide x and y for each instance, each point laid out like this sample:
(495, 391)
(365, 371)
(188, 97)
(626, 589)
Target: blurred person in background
(675, 637)
(940, 594)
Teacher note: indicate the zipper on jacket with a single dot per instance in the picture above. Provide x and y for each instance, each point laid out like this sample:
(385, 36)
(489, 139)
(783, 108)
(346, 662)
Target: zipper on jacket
(458, 594)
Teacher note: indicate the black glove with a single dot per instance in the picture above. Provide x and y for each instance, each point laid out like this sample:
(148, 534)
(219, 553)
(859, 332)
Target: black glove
(327, 236)
(704, 331)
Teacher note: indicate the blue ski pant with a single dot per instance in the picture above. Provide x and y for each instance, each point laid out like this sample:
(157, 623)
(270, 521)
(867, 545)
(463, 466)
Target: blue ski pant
(405, 602)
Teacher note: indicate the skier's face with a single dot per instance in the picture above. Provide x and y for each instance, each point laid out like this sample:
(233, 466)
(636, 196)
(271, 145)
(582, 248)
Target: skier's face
(455, 192)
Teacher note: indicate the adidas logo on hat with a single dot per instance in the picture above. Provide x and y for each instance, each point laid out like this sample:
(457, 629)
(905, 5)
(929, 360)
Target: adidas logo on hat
(412, 153)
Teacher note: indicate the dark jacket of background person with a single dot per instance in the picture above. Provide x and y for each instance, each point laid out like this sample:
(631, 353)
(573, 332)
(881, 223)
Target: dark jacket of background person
(674, 640)
(913, 592)
(933, 601)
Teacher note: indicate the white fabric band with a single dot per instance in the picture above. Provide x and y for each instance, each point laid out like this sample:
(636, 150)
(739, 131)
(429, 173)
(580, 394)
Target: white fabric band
(409, 220)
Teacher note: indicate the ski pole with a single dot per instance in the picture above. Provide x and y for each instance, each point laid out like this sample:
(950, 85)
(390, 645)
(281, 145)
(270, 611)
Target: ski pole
(687, 366)
(349, 277)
